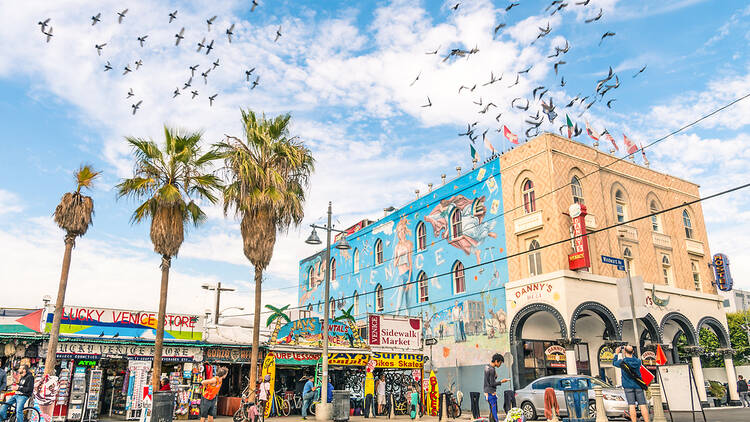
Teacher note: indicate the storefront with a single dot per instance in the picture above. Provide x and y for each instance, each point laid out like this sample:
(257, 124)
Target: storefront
(237, 361)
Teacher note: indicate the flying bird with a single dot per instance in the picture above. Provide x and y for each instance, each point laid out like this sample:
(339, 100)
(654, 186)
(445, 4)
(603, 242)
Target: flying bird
(205, 76)
(534, 91)
(201, 44)
(499, 27)
(99, 48)
(559, 8)
(549, 110)
(562, 81)
(609, 103)
(606, 34)
(466, 87)
(126, 71)
(179, 36)
(478, 103)
(640, 71)
(248, 73)
(209, 47)
(543, 32)
(555, 2)
(583, 3)
(172, 16)
(142, 39)
(468, 132)
(230, 33)
(44, 23)
(493, 79)
(278, 34)
(526, 70)
(456, 6)
(416, 79)
(560, 63)
(487, 107)
(48, 34)
(255, 82)
(516, 83)
(107, 66)
(433, 52)
(210, 22)
(188, 84)
(216, 64)
(96, 18)
(512, 5)
(429, 103)
(542, 93)
(596, 18)
(559, 50)
(255, 4)
(176, 92)
(138, 64)
(120, 17)
(192, 70)
(211, 100)
(524, 108)
(130, 93)
(136, 106)
(497, 118)
(195, 94)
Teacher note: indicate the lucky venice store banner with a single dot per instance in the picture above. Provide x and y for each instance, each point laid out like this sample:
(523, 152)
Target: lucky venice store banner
(308, 332)
(96, 351)
(102, 322)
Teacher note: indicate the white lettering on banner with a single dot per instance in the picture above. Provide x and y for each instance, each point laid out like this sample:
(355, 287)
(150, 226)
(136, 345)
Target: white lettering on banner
(133, 352)
(393, 331)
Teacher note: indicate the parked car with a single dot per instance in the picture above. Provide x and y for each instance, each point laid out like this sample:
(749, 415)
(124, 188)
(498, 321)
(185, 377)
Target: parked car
(531, 397)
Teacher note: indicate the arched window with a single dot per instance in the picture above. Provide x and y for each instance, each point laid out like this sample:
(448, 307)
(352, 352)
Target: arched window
(688, 223)
(621, 207)
(577, 190)
(422, 282)
(529, 200)
(378, 252)
(379, 298)
(421, 236)
(456, 223)
(355, 302)
(355, 261)
(333, 269)
(655, 218)
(666, 269)
(332, 308)
(535, 258)
(459, 278)
(309, 307)
(628, 255)
(310, 278)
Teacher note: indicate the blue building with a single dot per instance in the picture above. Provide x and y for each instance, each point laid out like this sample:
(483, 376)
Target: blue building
(425, 259)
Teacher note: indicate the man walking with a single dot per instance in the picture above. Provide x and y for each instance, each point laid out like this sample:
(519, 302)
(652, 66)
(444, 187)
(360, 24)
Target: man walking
(369, 394)
(24, 389)
(380, 389)
(742, 389)
(308, 394)
(630, 367)
(491, 383)
(211, 389)
(3, 380)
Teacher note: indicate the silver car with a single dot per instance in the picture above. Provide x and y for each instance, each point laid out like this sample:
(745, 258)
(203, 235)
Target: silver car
(531, 398)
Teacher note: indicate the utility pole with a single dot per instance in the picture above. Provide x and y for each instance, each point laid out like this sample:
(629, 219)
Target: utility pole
(632, 307)
(218, 290)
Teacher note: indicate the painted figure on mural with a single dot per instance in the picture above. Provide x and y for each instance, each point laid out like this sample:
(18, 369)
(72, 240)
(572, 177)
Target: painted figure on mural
(457, 314)
(402, 260)
(472, 230)
(315, 275)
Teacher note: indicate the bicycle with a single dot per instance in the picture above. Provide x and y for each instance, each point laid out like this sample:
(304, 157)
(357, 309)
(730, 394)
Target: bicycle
(295, 400)
(453, 405)
(30, 414)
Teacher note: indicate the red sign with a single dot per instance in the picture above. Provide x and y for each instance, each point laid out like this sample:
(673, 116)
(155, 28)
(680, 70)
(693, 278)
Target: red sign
(416, 374)
(374, 329)
(580, 257)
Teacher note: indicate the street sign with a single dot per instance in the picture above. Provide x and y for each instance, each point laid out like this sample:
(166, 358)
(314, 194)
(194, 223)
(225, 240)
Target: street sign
(617, 262)
(430, 341)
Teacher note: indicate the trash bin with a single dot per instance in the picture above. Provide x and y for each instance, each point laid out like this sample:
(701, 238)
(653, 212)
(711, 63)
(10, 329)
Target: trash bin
(576, 392)
(162, 408)
(340, 405)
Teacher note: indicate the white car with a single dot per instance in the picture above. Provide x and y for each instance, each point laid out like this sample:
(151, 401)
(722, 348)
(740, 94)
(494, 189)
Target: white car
(531, 398)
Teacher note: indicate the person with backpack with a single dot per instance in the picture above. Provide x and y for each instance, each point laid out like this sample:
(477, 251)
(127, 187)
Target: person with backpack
(631, 381)
(742, 390)
(264, 394)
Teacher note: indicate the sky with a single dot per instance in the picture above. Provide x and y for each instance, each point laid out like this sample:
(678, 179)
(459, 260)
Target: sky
(355, 77)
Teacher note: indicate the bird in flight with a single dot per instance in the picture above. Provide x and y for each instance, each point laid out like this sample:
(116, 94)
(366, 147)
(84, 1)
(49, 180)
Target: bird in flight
(255, 4)
(130, 93)
(44, 24)
(210, 22)
(136, 106)
(493, 79)
(205, 76)
(195, 94)
(209, 47)
(142, 39)
(48, 33)
(543, 32)
(201, 44)
(487, 107)
(595, 18)
(516, 83)
(526, 70)
(107, 66)
(96, 18)
(606, 34)
(609, 103)
(429, 103)
(99, 48)
(478, 103)
(126, 71)
(278, 34)
(416, 79)
(583, 3)
(248, 73)
(433, 52)
(179, 36)
(512, 5)
(188, 84)
(556, 65)
(172, 16)
(524, 108)
(640, 71)
(562, 81)
(539, 88)
(498, 27)
(120, 17)
(255, 82)
(176, 92)
(211, 100)
(138, 64)
(466, 87)
(230, 33)
(216, 64)
(456, 6)
(192, 70)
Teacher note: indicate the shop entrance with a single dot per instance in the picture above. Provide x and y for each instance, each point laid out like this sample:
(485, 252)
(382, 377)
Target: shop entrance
(541, 358)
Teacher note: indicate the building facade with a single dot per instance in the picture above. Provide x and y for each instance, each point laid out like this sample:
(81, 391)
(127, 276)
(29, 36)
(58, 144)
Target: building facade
(486, 260)
(736, 300)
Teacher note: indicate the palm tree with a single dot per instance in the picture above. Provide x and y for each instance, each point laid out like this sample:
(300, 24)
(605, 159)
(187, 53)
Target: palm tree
(268, 174)
(169, 181)
(277, 313)
(346, 315)
(73, 215)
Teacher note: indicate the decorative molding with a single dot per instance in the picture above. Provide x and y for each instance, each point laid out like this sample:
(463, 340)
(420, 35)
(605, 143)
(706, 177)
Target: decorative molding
(628, 233)
(652, 326)
(528, 222)
(522, 315)
(590, 221)
(694, 247)
(717, 327)
(684, 323)
(603, 312)
(661, 240)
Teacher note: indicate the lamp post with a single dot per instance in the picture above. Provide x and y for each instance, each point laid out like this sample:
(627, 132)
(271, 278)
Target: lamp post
(218, 290)
(323, 411)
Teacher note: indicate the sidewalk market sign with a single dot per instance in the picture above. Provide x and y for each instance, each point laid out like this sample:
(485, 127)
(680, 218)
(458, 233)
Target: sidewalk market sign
(97, 351)
(103, 322)
(394, 332)
(308, 332)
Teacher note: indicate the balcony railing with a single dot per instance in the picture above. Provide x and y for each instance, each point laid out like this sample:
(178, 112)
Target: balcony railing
(528, 222)
(662, 240)
(694, 247)
(628, 233)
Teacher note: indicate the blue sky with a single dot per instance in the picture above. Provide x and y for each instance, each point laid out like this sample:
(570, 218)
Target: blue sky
(343, 70)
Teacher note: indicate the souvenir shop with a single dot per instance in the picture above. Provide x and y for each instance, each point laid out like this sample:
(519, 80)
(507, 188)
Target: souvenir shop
(237, 361)
(111, 380)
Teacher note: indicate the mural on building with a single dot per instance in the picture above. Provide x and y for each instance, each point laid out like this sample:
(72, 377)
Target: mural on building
(437, 258)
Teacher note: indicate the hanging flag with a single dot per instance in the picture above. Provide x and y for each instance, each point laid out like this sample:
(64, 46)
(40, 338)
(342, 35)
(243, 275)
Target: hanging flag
(610, 139)
(488, 144)
(631, 147)
(661, 358)
(591, 132)
(570, 126)
(474, 153)
(643, 154)
(510, 135)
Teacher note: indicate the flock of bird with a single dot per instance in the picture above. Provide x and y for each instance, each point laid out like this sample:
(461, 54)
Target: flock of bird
(547, 109)
(203, 46)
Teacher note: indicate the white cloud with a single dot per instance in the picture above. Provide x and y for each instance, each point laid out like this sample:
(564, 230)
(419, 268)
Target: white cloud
(10, 203)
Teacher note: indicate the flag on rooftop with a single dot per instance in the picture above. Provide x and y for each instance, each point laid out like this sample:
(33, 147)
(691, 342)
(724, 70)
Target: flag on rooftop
(474, 153)
(510, 135)
(610, 139)
(570, 126)
(591, 132)
(631, 147)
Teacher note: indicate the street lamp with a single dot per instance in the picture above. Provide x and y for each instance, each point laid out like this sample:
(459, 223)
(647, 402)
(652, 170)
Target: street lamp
(342, 244)
(218, 290)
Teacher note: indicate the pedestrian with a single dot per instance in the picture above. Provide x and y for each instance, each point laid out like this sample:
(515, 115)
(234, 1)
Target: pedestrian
(165, 386)
(24, 388)
(329, 393)
(211, 389)
(369, 394)
(742, 389)
(491, 383)
(3, 380)
(630, 367)
(264, 393)
(308, 394)
(380, 388)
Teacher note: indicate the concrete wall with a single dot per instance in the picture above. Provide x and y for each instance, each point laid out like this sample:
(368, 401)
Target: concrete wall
(720, 374)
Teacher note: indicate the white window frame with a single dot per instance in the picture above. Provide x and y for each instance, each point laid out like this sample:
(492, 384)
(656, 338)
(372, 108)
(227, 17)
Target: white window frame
(455, 277)
(621, 207)
(421, 236)
(528, 196)
(666, 270)
(687, 223)
(378, 251)
(423, 286)
(576, 190)
(379, 299)
(697, 281)
(355, 259)
(535, 258)
(656, 218)
(332, 271)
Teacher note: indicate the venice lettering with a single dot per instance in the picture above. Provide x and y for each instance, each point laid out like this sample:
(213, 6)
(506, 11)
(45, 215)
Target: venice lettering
(91, 315)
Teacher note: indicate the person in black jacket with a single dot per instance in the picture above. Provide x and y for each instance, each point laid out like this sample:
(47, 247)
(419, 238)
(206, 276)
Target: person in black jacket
(23, 390)
(491, 383)
(742, 389)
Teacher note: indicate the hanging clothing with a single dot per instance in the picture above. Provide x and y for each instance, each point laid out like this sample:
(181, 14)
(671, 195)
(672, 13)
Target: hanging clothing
(550, 403)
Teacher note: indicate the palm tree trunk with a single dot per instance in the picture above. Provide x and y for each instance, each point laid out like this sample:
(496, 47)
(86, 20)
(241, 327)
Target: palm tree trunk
(156, 375)
(256, 333)
(54, 333)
